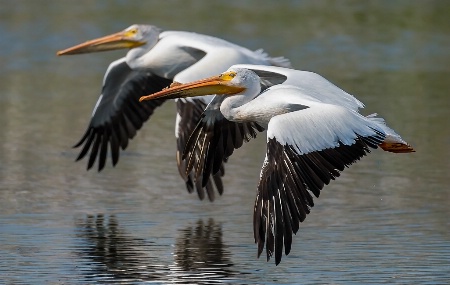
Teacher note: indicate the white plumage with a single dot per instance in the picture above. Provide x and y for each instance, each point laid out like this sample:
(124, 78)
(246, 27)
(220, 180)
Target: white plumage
(314, 131)
(155, 60)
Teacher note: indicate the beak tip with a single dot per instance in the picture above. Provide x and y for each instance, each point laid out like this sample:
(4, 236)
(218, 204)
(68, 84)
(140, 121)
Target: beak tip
(62, 52)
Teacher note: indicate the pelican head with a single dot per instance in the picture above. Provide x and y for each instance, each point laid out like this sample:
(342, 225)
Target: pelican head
(132, 37)
(233, 81)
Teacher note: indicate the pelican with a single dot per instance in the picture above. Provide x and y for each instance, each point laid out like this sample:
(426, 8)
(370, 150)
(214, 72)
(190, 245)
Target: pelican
(155, 60)
(314, 131)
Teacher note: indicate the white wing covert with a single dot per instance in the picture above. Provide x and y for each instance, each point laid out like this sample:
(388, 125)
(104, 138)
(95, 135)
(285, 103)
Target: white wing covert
(310, 84)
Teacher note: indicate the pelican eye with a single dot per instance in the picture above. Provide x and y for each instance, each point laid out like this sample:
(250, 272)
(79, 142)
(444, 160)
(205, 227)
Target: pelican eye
(228, 75)
(132, 32)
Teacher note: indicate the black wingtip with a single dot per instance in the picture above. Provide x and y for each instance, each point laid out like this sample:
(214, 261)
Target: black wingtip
(277, 261)
(83, 138)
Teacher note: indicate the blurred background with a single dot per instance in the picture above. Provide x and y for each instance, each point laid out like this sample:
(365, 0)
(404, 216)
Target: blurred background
(385, 220)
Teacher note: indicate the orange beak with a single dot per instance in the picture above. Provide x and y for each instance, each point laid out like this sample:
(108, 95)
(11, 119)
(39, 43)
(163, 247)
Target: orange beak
(118, 40)
(216, 85)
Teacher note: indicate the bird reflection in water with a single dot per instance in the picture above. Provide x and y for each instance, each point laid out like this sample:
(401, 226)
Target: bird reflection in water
(114, 252)
(199, 251)
(199, 256)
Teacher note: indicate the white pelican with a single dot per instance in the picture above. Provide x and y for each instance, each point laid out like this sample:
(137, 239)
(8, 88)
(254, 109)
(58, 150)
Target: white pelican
(314, 131)
(155, 60)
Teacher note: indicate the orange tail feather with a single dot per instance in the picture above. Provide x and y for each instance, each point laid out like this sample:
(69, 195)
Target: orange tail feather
(396, 147)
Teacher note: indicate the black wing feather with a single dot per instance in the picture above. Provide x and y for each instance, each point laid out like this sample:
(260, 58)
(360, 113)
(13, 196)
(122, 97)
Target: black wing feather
(213, 140)
(287, 178)
(118, 114)
(190, 113)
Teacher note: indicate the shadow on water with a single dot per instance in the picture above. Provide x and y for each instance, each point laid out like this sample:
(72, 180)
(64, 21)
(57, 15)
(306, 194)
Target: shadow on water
(113, 254)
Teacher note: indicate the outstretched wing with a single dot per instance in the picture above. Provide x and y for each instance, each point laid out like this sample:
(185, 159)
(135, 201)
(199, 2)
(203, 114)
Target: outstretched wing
(118, 114)
(189, 113)
(306, 149)
(213, 140)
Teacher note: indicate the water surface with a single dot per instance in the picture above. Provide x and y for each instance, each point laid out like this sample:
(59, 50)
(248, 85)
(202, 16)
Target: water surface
(385, 220)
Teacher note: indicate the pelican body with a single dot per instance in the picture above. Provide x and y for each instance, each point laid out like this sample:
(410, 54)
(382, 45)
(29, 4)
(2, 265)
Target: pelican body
(155, 60)
(314, 130)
